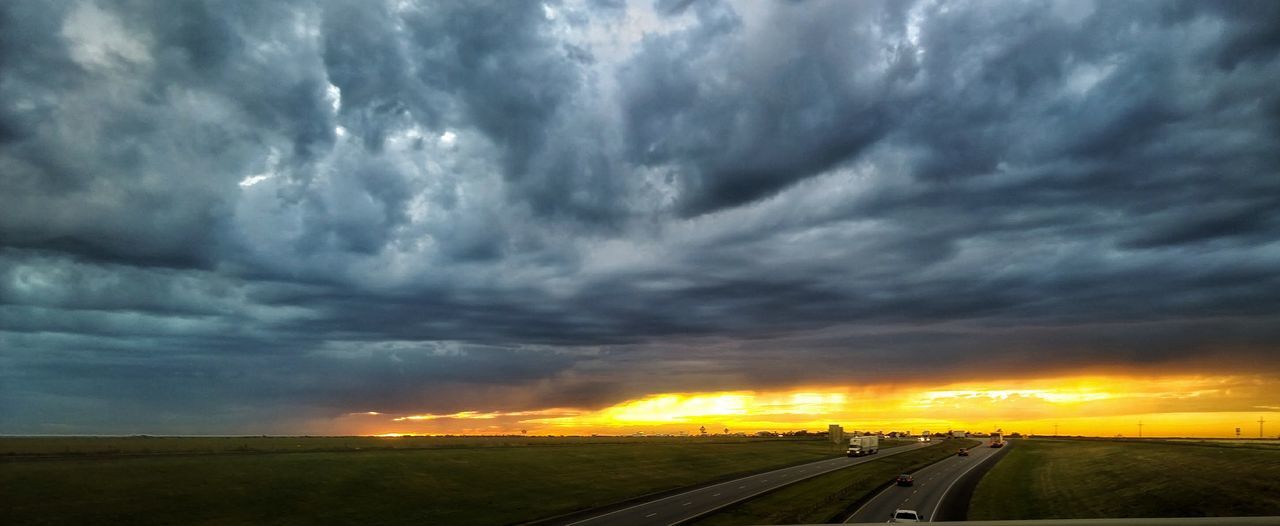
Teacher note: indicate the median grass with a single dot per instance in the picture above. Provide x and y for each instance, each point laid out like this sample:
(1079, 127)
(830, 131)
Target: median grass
(825, 497)
(463, 480)
(1051, 479)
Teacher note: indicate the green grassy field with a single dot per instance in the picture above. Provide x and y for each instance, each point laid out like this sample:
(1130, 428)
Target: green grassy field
(1273, 445)
(1042, 479)
(819, 499)
(449, 480)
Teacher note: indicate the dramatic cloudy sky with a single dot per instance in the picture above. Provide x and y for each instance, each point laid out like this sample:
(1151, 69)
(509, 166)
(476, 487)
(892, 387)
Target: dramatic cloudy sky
(263, 216)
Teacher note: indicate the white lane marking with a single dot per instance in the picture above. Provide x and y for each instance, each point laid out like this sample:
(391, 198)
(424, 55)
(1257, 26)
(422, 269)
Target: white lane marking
(882, 492)
(839, 466)
(650, 515)
(838, 462)
(823, 463)
(867, 503)
(953, 483)
(716, 495)
(687, 503)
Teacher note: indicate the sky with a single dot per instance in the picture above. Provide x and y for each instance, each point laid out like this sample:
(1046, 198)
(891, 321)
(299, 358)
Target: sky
(582, 216)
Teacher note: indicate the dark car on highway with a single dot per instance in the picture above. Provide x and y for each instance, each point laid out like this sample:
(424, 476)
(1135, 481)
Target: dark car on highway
(906, 480)
(962, 453)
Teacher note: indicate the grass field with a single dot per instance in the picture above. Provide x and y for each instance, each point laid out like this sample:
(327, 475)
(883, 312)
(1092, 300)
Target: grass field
(448, 480)
(819, 499)
(1043, 479)
(1273, 445)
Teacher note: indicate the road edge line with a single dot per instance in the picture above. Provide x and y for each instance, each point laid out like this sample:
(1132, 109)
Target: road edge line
(762, 492)
(945, 492)
(671, 493)
(886, 487)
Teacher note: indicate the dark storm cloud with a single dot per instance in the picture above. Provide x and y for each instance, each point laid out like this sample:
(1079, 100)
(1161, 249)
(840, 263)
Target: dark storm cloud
(769, 117)
(257, 216)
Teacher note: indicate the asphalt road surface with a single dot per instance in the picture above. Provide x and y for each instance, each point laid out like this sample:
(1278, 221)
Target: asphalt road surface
(931, 483)
(681, 507)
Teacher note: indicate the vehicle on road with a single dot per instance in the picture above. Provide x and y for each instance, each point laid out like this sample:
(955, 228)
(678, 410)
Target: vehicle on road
(962, 453)
(997, 439)
(859, 446)
(906, 516)
(906, 480)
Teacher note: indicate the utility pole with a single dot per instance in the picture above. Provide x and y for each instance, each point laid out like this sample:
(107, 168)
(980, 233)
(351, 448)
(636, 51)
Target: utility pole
(1139, 429)
(1055, 430)
(1260, 422)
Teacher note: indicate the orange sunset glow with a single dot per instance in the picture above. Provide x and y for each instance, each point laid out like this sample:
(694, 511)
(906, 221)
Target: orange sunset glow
(1187, 405)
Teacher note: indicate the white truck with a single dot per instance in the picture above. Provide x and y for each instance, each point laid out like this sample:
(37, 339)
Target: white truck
(997, 439)
(959, 434)
(859, 446)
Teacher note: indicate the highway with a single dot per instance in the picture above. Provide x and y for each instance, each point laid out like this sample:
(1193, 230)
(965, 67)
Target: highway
(931, 483)
(681, 507)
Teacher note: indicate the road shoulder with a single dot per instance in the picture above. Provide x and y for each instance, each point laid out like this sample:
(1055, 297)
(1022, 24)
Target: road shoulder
(954, 505)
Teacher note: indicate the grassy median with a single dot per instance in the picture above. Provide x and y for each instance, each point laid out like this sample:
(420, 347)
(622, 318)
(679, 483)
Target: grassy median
(823, 498)
(1050, 479)
(474, 480)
